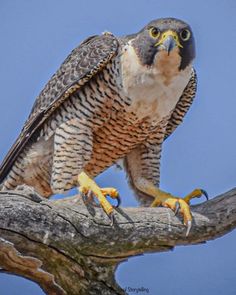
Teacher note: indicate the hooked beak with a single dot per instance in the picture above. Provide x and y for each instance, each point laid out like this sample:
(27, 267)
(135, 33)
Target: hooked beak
(169, 44)
(168, 41)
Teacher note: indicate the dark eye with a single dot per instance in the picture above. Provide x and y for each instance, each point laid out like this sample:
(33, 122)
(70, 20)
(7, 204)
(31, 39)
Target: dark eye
(185, 35)
(154, 32)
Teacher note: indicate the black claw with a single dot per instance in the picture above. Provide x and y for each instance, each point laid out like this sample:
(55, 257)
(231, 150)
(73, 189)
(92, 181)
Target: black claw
(84, 197)
(177, 207)
(205, 194)
(111, 217)
(90, 195)
(118, 202)
(189, 225)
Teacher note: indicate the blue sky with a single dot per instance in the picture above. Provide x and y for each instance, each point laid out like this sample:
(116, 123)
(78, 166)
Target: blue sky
(36, 36)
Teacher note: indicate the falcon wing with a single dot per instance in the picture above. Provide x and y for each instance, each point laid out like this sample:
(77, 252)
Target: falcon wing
(90, 57)
(182, 105)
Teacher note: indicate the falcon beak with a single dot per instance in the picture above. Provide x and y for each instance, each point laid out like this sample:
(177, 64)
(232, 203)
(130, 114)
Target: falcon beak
(168, 44)
(168, 41)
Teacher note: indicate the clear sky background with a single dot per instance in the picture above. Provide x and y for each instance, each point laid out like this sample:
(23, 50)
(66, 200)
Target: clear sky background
(36, 36)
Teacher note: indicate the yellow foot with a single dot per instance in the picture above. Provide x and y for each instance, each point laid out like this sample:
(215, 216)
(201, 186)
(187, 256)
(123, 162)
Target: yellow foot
(90, 188)
(179, 204)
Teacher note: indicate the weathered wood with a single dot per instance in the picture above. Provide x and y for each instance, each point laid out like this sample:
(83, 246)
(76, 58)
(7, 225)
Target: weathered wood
(68, 247)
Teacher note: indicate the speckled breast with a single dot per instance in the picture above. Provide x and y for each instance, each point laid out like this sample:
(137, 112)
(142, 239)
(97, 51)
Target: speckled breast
(122, 133)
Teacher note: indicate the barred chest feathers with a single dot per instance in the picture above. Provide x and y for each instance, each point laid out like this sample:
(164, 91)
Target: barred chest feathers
(153, 90)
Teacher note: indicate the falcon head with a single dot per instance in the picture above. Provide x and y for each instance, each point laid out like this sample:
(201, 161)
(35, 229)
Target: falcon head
(166, 39)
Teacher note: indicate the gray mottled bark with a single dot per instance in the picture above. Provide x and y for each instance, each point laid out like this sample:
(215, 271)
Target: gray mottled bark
(68, 247)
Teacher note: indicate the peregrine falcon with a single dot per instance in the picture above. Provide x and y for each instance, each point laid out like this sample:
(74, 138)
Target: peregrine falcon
(112, 98)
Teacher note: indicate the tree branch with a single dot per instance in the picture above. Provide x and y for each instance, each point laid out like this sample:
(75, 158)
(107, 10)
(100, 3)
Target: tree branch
(68, 247)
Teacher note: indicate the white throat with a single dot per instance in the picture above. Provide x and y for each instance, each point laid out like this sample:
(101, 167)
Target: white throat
(154, 90)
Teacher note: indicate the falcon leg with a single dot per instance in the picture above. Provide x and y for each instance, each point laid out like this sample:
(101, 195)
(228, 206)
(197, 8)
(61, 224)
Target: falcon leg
(73, 146)
(87, 185)
(142, 166)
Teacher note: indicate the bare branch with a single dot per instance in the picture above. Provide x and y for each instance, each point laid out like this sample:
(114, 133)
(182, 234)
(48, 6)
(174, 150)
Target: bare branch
(68, 247)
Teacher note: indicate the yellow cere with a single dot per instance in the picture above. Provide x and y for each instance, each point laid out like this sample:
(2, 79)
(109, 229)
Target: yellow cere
(169, 33)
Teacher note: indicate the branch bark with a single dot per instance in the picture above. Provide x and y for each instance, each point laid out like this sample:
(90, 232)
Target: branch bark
(68, 247)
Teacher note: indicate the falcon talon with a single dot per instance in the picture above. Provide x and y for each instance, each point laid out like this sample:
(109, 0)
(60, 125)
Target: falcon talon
(90, 196)
(84, 197)
(118, 198)
(189, 225)
(177, 207)
(204, 193)
(112, 218)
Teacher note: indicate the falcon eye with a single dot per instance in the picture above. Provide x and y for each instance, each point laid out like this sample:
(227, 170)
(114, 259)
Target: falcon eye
(185, 35)
(154, 32)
